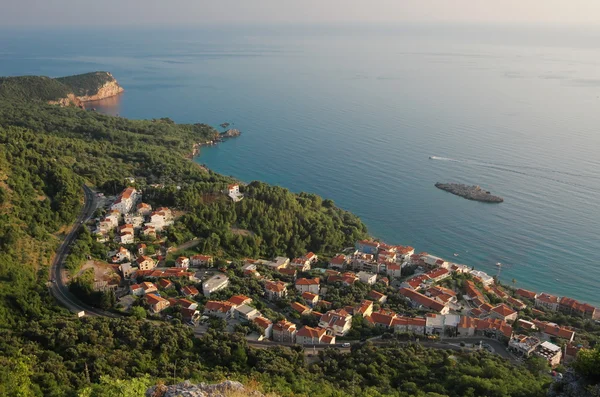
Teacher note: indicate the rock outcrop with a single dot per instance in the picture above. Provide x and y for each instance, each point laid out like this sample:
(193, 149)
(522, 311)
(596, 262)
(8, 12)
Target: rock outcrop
(469, 192)
(187, 389)
(109, 89)
(231, 133)
(70, 100)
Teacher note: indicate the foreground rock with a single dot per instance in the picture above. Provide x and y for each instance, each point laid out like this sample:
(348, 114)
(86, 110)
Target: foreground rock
(231, 133)
(469, 192)
(187, 389)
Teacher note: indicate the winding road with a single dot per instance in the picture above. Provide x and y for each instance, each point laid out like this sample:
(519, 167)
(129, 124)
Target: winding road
(58, 286)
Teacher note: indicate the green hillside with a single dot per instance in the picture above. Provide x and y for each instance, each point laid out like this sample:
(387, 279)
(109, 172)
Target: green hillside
(32, 88)
(87, 83)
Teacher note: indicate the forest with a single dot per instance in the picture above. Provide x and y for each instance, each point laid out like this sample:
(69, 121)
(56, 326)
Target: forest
(48, 152)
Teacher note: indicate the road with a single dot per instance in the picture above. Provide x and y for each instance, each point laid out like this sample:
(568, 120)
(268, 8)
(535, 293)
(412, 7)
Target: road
(58, 285)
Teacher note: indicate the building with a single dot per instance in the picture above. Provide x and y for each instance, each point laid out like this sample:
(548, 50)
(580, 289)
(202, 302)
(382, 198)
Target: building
(233, 191)
(311, 257)
(438, 274)
(126, 269)
(382, 318)
(308, 285)
(419, 300)
(377, 296)
(527, 325)
(265, 326)
(393, 270)
(279, 262)
(300, 264)
(503, 312)
(222, 310)
(190, 291)
(165, 283)
(145, 263)
(215, 283)
(300, 308)
(523, 345)
(144, 209)
(148, 287)
(573, 307)
(550, 352)
(126, 238)
(310, 336)
(310, 298)
(120, 255)
(472, 291)
(547, 302)
(187, 304)
(337, 322)
(485, 278)
(136, 290)
(246, 313)
(339, 262)
(467, 326)
(238, 300)
(443, 295)
(284, 331)
(149, 231)
(415, 325)
(367, 246)
(416, 282)
(161, 218)
(141, 249)
(549, 330)
(182, 262)
(275, 290)
(367, 278)
(135, 220)
(515, 303)
(493, 328)
(156, 303)
(364, 309)
(523, 293)
(202, 260)
(440, 323)
(126, 200)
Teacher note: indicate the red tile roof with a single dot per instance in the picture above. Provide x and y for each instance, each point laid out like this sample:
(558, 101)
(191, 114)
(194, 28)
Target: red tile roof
(554, 329)
(547, 298)
(307, 281)
(515, 303)
(525, 293)
(217, 306)
(300, 308)
(284, 325)
(338, 260)
(262, 322)
(503, 310)
(421, 299)
(276, 286)
(309, 296)
(310, 332)
(412, 321)
(190, 290)
(385, 318)
(153, 299)
(239, 299)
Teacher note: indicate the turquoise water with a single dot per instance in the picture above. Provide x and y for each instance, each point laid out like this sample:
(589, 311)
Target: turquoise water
(354, 114)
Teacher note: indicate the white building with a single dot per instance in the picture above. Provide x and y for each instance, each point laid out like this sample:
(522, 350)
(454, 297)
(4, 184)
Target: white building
(367, 278)
(126, 201)
(182, 262)
(215, 283)
(233, 191)
(246, 313)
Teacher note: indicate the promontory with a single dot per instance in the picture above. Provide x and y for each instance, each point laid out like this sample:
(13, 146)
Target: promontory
(469, 192)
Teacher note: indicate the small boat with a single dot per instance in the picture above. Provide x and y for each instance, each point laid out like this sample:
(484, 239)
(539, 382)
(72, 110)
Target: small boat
(498, 264)
(455, 254)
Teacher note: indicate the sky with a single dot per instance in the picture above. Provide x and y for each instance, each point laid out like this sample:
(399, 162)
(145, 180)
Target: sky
(66, 13)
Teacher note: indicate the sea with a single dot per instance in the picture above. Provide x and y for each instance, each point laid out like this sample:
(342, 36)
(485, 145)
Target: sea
(355, 113)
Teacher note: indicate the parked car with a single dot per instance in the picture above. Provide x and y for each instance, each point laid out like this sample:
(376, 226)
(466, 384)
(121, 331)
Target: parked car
(346, 344)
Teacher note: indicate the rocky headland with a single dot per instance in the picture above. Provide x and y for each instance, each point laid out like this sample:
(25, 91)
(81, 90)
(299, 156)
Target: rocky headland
(187, 389)
(474, 192)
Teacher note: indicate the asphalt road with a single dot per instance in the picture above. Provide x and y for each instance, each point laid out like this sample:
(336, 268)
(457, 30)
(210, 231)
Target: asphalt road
(58, 285)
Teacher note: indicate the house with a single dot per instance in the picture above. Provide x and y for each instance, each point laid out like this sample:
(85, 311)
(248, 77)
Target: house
(523, 293)
(347, 279)
(443, 295)
(367, 278)
(310, 336)
(477, 312)
(126, 228)
(328, 340)
(364, 309)
(300, 264)
(310, 285)
(382, 318)
(571, 353)
(494, 328)
(523, 345)
(165, 283)
(135, 221)
(419, 300)
(438, 324)
(275, 290)
(189, 291)
(144, 209)
(284, 331)
(550, 352)
(549, 330)
(202, 260)
(384, 280)
(121, 255)
(126, 200)
(161, 218)
(246, 312)
(300, 308)
(156, 303)
(126, 269)
(265, 326)
(337, 322)
(367, 246)
(141, 249)
(288, 271)
(149, 231)
(483, 276)
(222, 310)
(409, 324)
(190, 315)
(467, 326)
(377, 296)
(239, 300)
(215, 283)
(338, 262)
(416, 282)
(547, 301)
(187, 304)
(503, 312)
(311, 257)
(136, 290)
(145, 263)
(527, 325)
(126, 238)
(310, 298)
(438, 274)
(279, 262)
(148, 287)
(393, 271)
(499, 293)
(472, 291)
(573, 307)
(515, 303)
(182, 262)
(233, 191)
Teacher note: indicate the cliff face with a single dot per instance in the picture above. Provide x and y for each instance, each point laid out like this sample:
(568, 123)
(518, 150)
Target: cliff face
(108, 89)
(70, 100)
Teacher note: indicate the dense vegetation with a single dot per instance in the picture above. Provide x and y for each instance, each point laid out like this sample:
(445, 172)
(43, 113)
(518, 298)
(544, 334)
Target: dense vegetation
(27, 88)
(47, 152)
(87, 83)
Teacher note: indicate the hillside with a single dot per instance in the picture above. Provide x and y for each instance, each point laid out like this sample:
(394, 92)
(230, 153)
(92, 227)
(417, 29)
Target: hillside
(70, 90)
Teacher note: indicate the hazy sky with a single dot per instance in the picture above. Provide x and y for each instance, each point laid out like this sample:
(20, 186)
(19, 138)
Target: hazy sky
(203, 12)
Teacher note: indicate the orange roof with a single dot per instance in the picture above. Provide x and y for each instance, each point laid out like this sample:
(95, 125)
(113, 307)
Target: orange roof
(554, 329)
(338, 260)
(288, 272)
(392, 266)
(328, 339)
(218, 306)
(369, 243)
(284, 325)
(439, 272)
(309, 255)
(143, 259)
(515, 302)
(190, 290)
(143, 205)
(276, 286)
(467, 322)
(201, 257)
(382, 317)
(525, 293)
(300, 308)
(421, 299)
(310, 332)
(476, 312)
(525, 324)
(165, 283)
(307, 281)
(486, 307)
(376, 295)
(309, 296)
(239, 299)
(185, 302)
(153, 299)
(547, 298)
(127, 193)
(405, 321)
(262, 322)
(364, 306)
(504, 310)
(494, 323)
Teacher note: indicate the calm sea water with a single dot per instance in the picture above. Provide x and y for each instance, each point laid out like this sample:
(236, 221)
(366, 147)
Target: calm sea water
(353, 114)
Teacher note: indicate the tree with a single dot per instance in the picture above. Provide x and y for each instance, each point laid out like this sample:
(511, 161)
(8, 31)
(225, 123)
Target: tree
(110, 387)
(138, 312)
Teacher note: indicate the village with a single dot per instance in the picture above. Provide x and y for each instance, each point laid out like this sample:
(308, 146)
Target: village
(371, 290)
